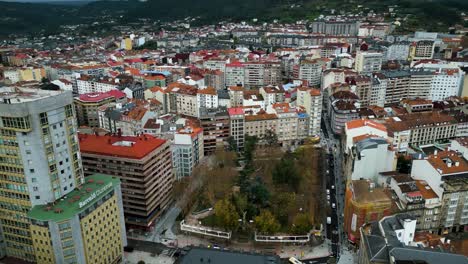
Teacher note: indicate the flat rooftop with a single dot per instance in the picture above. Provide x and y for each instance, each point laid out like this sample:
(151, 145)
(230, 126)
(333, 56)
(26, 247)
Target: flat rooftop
(362, 193)
(18, 95)
(131, 147)
(95, 187)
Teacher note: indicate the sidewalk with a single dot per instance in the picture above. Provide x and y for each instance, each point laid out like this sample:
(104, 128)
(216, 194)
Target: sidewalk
(284, 251)
(347, 257)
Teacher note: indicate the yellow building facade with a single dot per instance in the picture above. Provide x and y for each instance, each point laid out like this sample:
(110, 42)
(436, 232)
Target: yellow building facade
(86, 227)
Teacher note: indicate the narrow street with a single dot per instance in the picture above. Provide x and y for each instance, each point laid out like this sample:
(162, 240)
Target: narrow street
(335, 188)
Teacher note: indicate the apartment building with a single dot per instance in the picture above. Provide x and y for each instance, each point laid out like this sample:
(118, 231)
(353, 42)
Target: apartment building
(311, 100)
(398, 83)
(444, 172)
(421, 50)
(258, 74)
(363, 203)
(336, 27)
(369, 156)
(86, 226)
(360, 128)
(332, 76)
(415, 198)
(127, 119)
(237, 126)
(236, 96)
(234, 74)
(215, 64)
(420, 84)
(187, 150)
(379, 90)
(216, 129)
(272, 94)
(342, 107)
(361, 85)
(420, 129)
(368, 62)
(143, 164)
(446, 80)
(35, 187)
(311, 71)
(87, 106)
(90, 84)
(207, 98)
(182, 99)
(260, 124)
(287, 123)
(24, 74)
(215, 79)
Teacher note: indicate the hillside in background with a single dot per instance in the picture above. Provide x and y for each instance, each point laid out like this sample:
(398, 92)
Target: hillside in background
(36, 17)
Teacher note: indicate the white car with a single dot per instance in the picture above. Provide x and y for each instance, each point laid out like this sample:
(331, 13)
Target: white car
(333, 187)
(328, 197)
(328, 191)
(333, 205)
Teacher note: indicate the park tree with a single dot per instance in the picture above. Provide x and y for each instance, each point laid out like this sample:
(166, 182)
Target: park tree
(226, 214)
(282, 206)
(301, 224)
(258, 193)
(266, 223)
(286, 172)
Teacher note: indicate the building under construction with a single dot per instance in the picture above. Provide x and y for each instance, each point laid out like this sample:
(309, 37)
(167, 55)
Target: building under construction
(364, 203)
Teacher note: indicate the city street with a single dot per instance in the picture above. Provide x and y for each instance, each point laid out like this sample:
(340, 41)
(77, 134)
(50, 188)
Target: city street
(335, 188)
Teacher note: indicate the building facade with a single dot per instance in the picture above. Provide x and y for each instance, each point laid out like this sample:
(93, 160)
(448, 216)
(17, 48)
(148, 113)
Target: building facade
(40, 160)
(87, 226)
(144, 165)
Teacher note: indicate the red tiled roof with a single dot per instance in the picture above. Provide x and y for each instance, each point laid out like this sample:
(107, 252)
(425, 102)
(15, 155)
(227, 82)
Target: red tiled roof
(235, 111)
(365, 122)
(138, 147)
(96, 97)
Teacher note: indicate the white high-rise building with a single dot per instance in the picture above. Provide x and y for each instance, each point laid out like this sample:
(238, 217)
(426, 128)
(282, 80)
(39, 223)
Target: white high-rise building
(447, 80)
(40, 159)
(234, 74)
(311, 100)
(368, 62)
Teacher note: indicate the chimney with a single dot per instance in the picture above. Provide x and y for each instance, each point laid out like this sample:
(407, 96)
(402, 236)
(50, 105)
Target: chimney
(457, 163)
(435, 152)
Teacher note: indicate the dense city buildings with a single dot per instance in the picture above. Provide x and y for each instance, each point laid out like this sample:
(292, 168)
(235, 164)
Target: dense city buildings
(343, 127)
(87, 106)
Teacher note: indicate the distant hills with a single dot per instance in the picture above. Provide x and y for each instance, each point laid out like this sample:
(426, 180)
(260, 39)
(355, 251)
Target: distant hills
(33, 17)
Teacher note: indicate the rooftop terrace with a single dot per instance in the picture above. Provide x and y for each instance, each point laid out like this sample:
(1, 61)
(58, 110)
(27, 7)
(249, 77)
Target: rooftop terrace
(95, 187)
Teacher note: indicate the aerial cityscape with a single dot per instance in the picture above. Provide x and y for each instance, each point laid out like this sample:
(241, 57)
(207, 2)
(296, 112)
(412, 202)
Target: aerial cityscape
(248, 131)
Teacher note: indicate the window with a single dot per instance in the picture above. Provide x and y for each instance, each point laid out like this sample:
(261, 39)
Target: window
(38, 197)
(35, 188)
(69, 110)
(16, 122)
(33, 179)
(44, 119)
(31, 171)
(28, 152)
